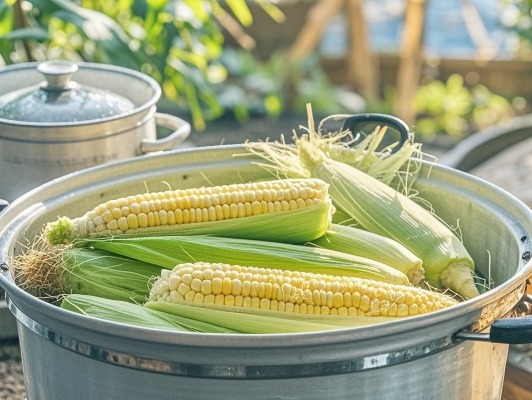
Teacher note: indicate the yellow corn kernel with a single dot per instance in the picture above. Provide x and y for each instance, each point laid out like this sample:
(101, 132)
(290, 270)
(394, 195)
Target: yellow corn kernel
(180, 207)
(298, 292)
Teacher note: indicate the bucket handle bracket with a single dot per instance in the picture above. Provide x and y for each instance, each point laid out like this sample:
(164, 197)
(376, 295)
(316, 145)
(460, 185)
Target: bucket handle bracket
(515, 330)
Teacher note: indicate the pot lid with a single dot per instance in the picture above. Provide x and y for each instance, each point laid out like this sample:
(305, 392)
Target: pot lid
(59, 99)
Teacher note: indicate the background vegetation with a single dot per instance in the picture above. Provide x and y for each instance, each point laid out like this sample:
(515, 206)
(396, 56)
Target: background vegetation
(182, 44)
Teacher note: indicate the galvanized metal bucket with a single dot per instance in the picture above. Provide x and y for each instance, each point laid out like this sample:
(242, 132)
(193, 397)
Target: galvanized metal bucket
(70, 356)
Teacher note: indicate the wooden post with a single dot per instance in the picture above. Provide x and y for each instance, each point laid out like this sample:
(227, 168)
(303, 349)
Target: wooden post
(21, 22)
(408, 74)
(361, 70)
(318, 18)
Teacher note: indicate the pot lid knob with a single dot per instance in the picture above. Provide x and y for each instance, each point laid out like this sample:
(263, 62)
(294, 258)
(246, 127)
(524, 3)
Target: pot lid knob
(57, 74)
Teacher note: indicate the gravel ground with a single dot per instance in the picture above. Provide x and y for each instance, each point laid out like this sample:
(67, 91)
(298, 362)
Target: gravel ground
(11, 378)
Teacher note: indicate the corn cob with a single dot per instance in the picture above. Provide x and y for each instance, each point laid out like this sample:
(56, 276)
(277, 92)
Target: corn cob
(301, 206)
(291, 292)
(352, 240)
(167, 251)
(379, 208)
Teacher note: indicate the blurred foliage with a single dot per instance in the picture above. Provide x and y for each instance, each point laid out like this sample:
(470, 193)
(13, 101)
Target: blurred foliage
(452, 108)
(517, 16)
(177, 42)
(180, 43)
(272, 87)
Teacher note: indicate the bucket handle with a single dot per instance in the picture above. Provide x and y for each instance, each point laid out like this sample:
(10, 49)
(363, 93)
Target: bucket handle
(516, 330)
(356, 122)
(181, 129)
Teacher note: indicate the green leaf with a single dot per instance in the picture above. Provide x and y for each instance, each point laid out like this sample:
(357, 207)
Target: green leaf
(38, 34)
(198, 8)
(157, 4)
(272, 10)
(102, 29)
(135, 314)
(241, 11)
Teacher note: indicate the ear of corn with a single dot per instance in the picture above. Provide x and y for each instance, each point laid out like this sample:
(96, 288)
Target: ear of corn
(83, 271)
(292, 292)
(257, 210)
(167, 251)
(351, 240)
(379, 208)
(135, 314)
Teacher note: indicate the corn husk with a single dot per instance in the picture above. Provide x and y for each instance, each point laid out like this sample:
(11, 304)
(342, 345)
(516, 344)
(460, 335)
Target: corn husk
(352, 240)
(48, 273)
(379, 208)
(135, 314)
(184, 317)
(168, 251)
(258, 321)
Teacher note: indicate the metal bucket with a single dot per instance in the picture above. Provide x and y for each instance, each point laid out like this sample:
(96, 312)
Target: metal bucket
(69, 356)
(88, 127)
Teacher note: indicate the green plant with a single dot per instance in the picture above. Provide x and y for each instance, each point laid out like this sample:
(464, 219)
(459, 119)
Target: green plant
(517, 17)
(443, 107)
(177, 42)
(449, 108)
(273, 87)
(453, 109)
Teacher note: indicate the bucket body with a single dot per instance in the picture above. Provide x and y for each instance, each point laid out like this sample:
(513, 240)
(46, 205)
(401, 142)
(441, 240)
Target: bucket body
(467, 371)
(67, 355)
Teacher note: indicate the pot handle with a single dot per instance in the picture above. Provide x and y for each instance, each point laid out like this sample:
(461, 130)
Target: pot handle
(516, 330)
(181, 130)
(356, 122)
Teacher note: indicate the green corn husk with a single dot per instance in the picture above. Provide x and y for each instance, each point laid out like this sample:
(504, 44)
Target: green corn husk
(135, 314)
(379, 208)
(49, 274)
(194, 318)
(351, 240)
(298, 225)
(168, 251)
(259, 321)
(104, 274)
